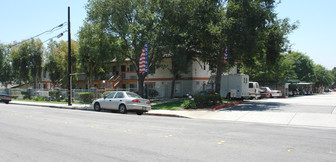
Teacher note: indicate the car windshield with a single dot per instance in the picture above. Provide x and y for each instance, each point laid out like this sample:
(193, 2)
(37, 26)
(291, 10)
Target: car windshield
(133, 95)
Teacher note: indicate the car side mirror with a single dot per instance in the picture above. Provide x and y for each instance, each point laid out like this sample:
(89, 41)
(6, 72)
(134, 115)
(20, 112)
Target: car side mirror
(104, 97)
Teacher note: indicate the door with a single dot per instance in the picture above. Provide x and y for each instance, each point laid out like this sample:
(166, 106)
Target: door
(106, 102)
(115, 102)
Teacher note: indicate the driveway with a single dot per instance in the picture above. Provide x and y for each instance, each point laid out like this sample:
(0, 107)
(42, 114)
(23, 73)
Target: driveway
(324, 103)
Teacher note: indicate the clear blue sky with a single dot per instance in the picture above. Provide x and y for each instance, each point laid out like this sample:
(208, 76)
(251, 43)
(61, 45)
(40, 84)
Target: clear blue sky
(315, 37)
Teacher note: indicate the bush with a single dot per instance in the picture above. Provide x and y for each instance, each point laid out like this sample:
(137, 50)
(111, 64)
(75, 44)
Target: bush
(37, 98)
(14, 96)
(54, 95)
(207, 99)
(86, 96)
(25, 95)
(188, 104)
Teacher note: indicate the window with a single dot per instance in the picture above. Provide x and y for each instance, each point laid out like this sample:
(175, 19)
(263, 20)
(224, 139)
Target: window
(132, 68)
(119, 95)
(131, 94)
(123, 68)
(111, 95)
(250, 85)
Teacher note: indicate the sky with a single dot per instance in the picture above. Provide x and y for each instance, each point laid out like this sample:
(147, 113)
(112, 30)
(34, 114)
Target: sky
(315, 36)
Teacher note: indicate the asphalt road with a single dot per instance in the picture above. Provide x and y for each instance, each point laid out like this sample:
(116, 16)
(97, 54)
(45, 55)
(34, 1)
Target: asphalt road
(307, 104)
(30, 133)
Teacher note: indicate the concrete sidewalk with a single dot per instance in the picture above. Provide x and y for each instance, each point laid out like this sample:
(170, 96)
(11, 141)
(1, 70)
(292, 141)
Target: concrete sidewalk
(283, 118)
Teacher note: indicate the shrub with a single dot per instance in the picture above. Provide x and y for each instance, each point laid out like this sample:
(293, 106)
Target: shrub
(14, 96)
(54, 95)
(188, 104)
(38, 98)
(25, 95)
(207, 99)
(86, 96)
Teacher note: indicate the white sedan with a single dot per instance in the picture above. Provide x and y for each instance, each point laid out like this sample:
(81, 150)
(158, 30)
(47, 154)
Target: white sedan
(122, 101)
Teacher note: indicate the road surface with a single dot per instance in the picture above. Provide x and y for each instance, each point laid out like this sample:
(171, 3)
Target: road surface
(29, 133)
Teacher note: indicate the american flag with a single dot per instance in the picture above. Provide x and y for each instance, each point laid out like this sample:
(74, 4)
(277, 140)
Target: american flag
(143, 63)
(226, 54)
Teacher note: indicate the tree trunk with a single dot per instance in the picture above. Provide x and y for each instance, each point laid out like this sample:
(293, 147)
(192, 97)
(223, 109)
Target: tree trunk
(172, 91)
(90, 78)
(219, 72)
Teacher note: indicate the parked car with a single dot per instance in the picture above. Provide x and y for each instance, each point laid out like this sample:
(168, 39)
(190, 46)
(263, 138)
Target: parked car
(275, 93)
(4, 97)
(122, 101)
(265, 92)
(254, 90)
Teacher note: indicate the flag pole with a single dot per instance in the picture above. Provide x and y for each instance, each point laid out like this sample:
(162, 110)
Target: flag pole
(226, 59)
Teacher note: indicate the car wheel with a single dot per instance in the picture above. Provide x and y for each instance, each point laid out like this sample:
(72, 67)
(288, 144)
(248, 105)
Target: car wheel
(97, 106)
(122, 109)
(139, 112)
(271, 96)
(7, 102)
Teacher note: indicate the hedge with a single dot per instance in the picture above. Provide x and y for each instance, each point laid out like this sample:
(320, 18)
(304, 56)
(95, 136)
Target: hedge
(86, 96)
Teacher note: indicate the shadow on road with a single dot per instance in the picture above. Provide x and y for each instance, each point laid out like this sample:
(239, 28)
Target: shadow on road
(256, 106)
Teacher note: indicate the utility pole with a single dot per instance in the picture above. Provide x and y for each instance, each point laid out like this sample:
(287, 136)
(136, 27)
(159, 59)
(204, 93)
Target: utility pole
(69, 60)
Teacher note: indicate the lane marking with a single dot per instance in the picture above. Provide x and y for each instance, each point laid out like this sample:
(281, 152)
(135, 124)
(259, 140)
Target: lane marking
(334, 112)
(220, 142)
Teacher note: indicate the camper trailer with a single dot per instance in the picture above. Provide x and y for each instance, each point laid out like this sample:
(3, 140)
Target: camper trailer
(235, 86)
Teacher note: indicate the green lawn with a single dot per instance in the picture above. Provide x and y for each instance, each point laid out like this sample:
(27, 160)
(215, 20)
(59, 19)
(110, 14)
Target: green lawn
(172, 105)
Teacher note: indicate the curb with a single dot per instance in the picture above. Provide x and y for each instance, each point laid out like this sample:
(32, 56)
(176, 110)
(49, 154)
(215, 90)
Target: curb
(166, 115)
(227, 105)
(53, 106)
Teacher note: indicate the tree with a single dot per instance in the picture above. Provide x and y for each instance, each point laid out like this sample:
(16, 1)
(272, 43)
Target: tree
(55, 64)
(5, 66)
(249, 29)
(176, 16)
(324, 77)
(27, 61)
(96, 50)
(303, 66)
(132, 22)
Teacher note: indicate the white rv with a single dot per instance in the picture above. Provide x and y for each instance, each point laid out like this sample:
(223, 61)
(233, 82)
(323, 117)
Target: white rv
(235, 86)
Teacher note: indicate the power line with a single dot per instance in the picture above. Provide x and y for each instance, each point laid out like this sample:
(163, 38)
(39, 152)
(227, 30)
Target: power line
(48, 31)
(58, 36)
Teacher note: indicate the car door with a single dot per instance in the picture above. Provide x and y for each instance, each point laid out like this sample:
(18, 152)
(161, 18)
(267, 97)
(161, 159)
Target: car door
(118, 98)
(106, 102)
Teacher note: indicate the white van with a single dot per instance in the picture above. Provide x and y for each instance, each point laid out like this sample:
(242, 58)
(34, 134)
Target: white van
(254, 90)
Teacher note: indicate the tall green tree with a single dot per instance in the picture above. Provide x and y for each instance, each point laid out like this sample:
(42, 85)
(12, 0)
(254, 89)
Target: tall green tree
(132, 22)
(96, 50)
(27, 61)
(249, 29)
(176, 15)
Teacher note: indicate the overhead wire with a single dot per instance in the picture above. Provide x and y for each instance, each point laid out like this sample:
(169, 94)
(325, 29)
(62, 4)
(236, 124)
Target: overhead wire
(48, 31)
(58, 36)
